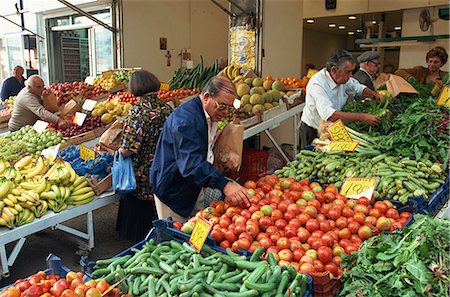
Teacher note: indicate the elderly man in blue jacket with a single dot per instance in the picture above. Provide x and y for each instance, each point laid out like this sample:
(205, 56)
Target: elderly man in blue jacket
(183, 163)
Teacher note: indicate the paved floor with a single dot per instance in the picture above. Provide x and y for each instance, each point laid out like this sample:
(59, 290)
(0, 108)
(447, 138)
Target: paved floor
(38, 246)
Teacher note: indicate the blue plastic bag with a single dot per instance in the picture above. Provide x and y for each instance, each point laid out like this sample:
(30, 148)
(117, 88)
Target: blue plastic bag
(123, 177)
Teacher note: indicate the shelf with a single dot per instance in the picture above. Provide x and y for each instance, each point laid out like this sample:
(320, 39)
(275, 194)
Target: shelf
(399, 41)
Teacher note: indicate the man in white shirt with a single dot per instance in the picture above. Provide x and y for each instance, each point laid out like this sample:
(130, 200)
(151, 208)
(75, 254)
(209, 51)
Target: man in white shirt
(368, 67)
(328, 91)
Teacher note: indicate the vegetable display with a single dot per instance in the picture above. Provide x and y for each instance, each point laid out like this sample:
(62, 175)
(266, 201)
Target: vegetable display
(399, 177)
(195, 78)
(411, 262)
(172, 268)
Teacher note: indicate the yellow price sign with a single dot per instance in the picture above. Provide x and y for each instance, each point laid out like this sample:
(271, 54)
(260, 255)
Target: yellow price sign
(199, 233)
(357, 187)
(86, 153)
(164, 86)
(311, 72)
(348, 146)
(338, 132)
(444, 97)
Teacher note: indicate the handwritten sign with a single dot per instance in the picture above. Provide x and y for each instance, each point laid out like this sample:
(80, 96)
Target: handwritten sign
(199, 234)
(357, 187)
(338, 132)
(40, 126)
(164, 86)
(348, 146)
(89, 104)
(51, 152)
(86, 153)
(444, 97)
(311, 72)
(79, 118)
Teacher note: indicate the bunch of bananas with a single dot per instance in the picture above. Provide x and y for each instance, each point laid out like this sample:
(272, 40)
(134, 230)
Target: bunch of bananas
(233, 73)
(30, 187)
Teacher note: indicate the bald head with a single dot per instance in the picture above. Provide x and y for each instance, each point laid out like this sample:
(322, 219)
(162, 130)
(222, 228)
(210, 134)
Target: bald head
(35, 84)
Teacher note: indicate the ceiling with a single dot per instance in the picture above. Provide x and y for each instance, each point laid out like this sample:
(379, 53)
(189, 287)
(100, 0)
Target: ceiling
(359, 25)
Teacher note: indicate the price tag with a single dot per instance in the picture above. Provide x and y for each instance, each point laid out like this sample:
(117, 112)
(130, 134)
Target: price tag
(348, 146)
(164, 86)
(311, 72)
(357, 187)
(51, 152)
(79, 118)
(199, 234)
(86, 153)
(40, 126)
(89, 104)
(338, 132)
(444, 97)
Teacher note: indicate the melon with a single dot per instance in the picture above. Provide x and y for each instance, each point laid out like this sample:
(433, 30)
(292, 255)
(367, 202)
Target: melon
(242, 89)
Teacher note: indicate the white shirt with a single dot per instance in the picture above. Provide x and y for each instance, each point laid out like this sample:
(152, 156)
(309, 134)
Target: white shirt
(324, 97)
(212, 130)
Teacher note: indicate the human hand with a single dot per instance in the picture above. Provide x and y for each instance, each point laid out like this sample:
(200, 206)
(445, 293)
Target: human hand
(236, 194)
(377, 96)
(370, 119)
(46, 92)
(62, 123)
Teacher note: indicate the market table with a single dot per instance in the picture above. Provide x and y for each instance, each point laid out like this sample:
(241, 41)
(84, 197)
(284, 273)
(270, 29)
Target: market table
(51, 220)
(275, 122)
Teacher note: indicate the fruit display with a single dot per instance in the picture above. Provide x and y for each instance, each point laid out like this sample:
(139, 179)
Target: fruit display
(195, 78)
(108, 80)
(124, 75)
(171, 268)
(176, 94)
(108, 110)
(124, 97)
(89, 124)
(31, 187)
(302, 224)
(10, 101)
(68, 91)
(292, 82)
(48, 285)
(27, 140)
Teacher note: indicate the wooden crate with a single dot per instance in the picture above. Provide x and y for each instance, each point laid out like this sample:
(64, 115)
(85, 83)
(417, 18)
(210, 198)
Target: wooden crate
(102, 185)
(83, 137)
(5, 118)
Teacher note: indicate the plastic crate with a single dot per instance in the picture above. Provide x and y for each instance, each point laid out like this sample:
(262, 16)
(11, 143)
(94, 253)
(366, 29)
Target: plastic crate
(324, 286)
(436, 200)
(254, 163)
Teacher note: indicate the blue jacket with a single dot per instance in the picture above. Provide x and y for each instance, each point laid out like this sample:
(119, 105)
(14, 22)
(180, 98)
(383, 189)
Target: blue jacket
(179, 168)
(11, 87)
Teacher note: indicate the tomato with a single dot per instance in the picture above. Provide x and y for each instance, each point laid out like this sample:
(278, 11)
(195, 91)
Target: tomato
(250, 184)
(257, 215)
(253, 247)
(328, 239)
(337, 260)
(325, 254)
(297, 254)
(93, 292)
(243, 243)
(231, 211)
(364, 232)
(252, 229)
(102, 286)
(283, 243)
(290, 231)
(359, 217)
(375, 212)
(308, 195)
(285, 254)
(311, 211)
(295, 186)
(351, 248)
(217, 235)
(289, 215)
(334, 213)
(370, 220)
(271, 179)
(312, 225)
(332, 268)
(307, 268)
(392, 213)
(353, 227)
(383, 223)
(320, 196)
(325, 226)
(239, 229)
(318, 266)
(274, 237)
(355, 239)
(317, 242)
(265, 222)
(329, 197)
(351, 203)
(363, 201)
(381, 206)
(344, 233)
(230, 236)
(312, 253)
(303, 218)
(347, 212)
(303, 234)
(283, 205)
(338, 250)
(341, 222)
(361, 208)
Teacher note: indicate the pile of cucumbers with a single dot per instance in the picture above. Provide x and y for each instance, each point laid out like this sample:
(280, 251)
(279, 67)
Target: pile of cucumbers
(195, 78)
(174, 269)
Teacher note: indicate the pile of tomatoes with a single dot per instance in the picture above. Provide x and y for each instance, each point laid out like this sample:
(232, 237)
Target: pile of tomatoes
(176, 94)
(124, 97)
(303, 224)
(42, 285)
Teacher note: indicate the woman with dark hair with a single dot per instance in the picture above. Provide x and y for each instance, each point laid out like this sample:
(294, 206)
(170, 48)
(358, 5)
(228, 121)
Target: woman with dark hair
(435, 58)
(139, 136)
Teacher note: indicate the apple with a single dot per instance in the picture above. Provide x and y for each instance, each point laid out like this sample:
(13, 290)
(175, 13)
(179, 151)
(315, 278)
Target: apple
(188, 227)
(267, 210)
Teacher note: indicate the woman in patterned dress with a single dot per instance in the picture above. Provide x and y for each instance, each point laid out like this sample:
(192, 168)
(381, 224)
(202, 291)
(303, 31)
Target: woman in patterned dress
(139, 137)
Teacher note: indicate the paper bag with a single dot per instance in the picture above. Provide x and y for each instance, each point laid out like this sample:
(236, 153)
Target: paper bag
(50, 102)
(396, 85)
(111, 137)
(228, 147)
(70, 108)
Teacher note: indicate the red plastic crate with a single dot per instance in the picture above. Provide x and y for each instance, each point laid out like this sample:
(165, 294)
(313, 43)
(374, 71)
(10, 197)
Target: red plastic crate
(254, 164)
(324, 286)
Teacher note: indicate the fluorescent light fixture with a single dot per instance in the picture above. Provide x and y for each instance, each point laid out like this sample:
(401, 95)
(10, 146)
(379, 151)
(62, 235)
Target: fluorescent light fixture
(374, 22)
(352, 17)
(351, 33)
(310, 21)
(359, 31)
(332, 25)
(341, 27)
(397, 28)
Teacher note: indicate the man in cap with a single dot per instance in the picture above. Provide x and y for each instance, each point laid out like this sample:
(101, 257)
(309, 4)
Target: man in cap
(368, 68)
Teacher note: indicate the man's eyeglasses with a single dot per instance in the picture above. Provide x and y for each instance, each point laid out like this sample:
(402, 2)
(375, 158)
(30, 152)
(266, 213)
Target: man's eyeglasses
(375, 63)
(221, 106)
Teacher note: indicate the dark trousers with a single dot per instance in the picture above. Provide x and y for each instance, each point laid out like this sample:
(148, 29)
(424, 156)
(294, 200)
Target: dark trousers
(307, 135)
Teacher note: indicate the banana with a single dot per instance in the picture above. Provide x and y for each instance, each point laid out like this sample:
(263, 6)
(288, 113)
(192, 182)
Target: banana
(16, 192)
(68, 193)
(65, 177)
(22, 163)
(8, 202)
(81, 197)
(80, 202)
(5, 186)
(2, 166)
(12, 210)
(12, 198)
(230, 72)
(81, 191)
(52, 170)
(62, 191)
(30, 198)
(18, 207)
(80, 186)
(2, 222)
(2, 204)
(55, 189)
(236, 72)
(7, 214)
(48, 195)
(26, 205)
(78, 181)
(38, 186)
(38, 169)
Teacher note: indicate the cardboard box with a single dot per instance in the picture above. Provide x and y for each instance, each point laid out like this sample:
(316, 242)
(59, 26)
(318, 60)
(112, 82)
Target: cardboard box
(101, 186)
(70, 108)
(396, 85)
